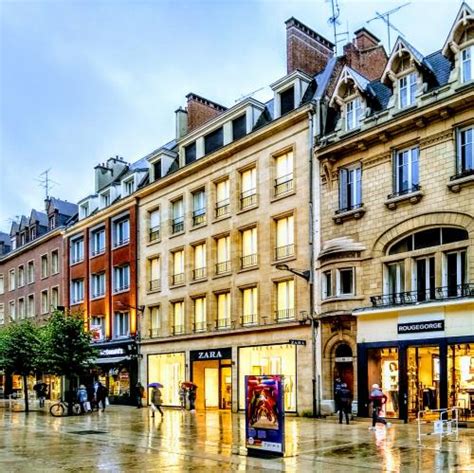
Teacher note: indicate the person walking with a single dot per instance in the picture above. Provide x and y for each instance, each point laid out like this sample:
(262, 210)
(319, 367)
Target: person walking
(140, 394)
(337, 389)
(101, 393)
(82, 398)
(378, 400)
(345, 402)
(40, 389)
(192, 398)
(156, 401)
(182, 396)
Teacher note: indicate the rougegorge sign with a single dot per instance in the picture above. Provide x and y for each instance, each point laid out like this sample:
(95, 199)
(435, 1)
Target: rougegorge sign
(420, 327)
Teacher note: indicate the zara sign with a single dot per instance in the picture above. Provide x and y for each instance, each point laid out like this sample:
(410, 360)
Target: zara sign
(214, 354)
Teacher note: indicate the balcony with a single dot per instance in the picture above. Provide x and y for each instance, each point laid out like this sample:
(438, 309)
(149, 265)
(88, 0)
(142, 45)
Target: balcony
(284, 315)
(177, 279)
(249, 319)
(177, 330)
(154, 234)
(177, 225)
(155, 332)
(248, 261)
(284, 184)
(199, 217)
(199, 273)
(222, 208)
(430, 295)
(286, 251)
(199, 326)
(248, 198)
(222, 324)
(154, 285)
(223, 267)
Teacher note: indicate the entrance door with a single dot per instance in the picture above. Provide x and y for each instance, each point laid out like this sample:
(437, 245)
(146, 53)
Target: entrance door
(226, 387)
(423, 366)
(344, 368)
(211, 387)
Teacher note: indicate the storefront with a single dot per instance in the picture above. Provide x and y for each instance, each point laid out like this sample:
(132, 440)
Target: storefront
(269, 359)
(211, 370)
(169, 370)
(428, 363)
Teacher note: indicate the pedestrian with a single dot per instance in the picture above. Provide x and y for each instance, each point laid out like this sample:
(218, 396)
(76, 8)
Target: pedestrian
(101, 395)
(378, 400)
(345, 402)
(156, 401)
(139, 394)
(40, 389)
(192, 398)
(182, 396)
(82, 398)
(337, 389)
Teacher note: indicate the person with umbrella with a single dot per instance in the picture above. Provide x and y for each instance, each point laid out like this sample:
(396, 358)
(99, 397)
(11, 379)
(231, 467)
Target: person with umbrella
(191, 387)
(139, 394)
(156, 399)
(41, 389)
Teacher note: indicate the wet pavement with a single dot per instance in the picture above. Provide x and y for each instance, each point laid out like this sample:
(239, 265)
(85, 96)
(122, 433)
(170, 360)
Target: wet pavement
(125, 439)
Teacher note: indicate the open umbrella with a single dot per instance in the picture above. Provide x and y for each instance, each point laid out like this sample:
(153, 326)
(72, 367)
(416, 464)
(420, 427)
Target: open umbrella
(188, 384)
(155, 385)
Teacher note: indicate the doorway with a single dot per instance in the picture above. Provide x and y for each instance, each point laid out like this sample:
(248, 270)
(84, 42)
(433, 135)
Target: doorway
(214, 381)
(211, 388)
(344, 367)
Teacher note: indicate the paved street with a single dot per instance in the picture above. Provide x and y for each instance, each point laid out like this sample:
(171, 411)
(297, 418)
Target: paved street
(128, 440)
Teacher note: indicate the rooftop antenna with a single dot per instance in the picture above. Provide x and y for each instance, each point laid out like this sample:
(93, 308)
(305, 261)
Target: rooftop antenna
(334, 20)
(385, 17)
(46, 182)
(243, 97)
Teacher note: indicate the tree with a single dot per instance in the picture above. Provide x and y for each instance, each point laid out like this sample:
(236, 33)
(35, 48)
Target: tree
(66, 347)
(19, 351)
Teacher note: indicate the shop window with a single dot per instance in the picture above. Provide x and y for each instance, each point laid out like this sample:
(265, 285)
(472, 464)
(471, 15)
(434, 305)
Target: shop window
(169, 367)
(327, 284)
(269, 359)
(345, 282)
(121, 324)
(461, 379)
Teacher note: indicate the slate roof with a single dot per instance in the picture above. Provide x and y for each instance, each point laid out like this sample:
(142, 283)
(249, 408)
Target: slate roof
(63, 206)
(5, 238)
(441, 67)
(41, 217)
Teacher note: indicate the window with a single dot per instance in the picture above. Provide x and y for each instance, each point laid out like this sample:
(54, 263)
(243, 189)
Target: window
(285, 303)
(97, 285)
(54, 297)
(223, 310)
(239, 127)
(121, 232)
(22, 238)
(350, 189)
(178, 267)
(77, 250)
(105, 199)
(223, 254)
(200, 317)
(2, 314)
(31, 309)
(11, 280)
(406, 171)
(395, 278)
(11, 310)
(121, 278)
(13, 243)
(21, 308)
(157, 174)
(31, 272)
(249, 247)
(177, 212)
(222, 198)
(465, 152)
(327, 284)
(2, 284)
(129, 187)
(44, 266)
(32, 233)
(190, 153)
(353, 114)
(21, 276)
(213, 141)
(467, 65)
(52, 222)
(154, 321)
(199, 207)
(154, 281)
(97, 242)
(84, 210)
(285, 243)
(407, 88)
(178, 318)
(55, 262)
(284, 173)
(155, 225)
(287, 100)
(77, 290)
(44, 302)
(424, 278)
(199, 270)
(345, 282)
(121, 324)
(454, 272)
(248, 196)
(249, 306)
(97, 327)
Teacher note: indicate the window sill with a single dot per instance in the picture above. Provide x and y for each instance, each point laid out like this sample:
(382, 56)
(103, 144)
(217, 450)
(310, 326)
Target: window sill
(73, 263)
(96, 298)
(42, 278)
(153, 291)
(345, 297)
(283, 260)
(197, 227)
(153, 242)
(31, 282)
(412, 197)
(198, 280)
(96, 255)
(77, 302)
(283, 195)
(456, 185)
(248, 268)
(222, 275)
(349, 215)
(223, 217)
(175, 286)
(247, 209)
(121, 291)
(121, 245)
(177, 234)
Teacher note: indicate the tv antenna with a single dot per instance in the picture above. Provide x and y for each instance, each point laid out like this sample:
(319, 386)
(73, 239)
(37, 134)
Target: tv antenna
(243, 97)
(334, 21)
(46, 182)
(385, 17)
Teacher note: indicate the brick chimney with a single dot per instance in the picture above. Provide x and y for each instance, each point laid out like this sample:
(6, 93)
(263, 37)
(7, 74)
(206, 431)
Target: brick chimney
(201, 110)
(306, 50)
(365, 54)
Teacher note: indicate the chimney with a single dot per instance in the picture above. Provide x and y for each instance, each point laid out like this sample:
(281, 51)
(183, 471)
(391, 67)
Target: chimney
(306, 50)
(201, 110)
(364, 39)
(181, 122)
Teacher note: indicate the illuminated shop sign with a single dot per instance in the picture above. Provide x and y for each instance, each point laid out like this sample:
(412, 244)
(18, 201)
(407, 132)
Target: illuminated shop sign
(216, 354)
(420, 327)
(112, 352)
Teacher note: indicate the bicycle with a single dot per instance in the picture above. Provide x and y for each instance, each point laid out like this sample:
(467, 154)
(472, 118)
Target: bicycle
(60, 409)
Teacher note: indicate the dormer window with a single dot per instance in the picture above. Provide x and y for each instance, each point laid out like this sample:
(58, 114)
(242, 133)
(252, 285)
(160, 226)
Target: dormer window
(190, 153)
(129, 187)
(214, 140)
(407, 85)
(157, 170)
(105, 199)
(353, 114)
(52, 222)
(287, 100)
(239, 127)
(32, 233)
(84, 210)
(467, 64)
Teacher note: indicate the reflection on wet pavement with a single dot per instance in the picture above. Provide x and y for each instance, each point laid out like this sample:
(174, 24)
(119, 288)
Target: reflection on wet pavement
(125, 439)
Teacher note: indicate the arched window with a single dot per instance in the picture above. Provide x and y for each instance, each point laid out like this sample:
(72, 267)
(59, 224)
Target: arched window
(343, 350)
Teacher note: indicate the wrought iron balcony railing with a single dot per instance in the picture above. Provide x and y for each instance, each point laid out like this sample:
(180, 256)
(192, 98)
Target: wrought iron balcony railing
(223, 267)
(222, 208)
(223, 323)
(177, 279)
(199, 273)
(155, 332)
(429, 295)
(177, 225)
(408, 190)
(199, 326)
(154, 285)
(284, 184)
(154, 233)
(177, 329)
(248, 261)
(284, 251)
(248, 198)
(248, 319)
(199, 217)
(283, 315)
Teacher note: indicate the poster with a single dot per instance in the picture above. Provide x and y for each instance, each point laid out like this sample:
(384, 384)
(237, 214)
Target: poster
(264, 414)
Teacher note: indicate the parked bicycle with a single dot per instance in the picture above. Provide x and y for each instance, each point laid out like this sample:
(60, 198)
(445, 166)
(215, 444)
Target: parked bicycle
(60, 408)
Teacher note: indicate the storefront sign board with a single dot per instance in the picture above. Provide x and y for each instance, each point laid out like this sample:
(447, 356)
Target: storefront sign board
(264, 415)
(421, 327)
(298, 342)
(214, 354)
(112, 352)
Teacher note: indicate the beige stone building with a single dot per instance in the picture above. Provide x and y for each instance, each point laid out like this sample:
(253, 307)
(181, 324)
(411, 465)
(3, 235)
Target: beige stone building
(397, 226)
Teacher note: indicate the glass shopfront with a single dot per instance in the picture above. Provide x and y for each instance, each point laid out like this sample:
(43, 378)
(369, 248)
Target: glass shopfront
(269, 359)
(169, 370)
(461, 379)
(117, 381)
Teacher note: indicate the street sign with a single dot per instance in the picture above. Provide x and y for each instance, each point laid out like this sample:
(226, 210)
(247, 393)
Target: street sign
(297, 342)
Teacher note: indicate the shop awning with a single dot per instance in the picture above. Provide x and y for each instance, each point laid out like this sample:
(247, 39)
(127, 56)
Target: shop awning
(111, 360)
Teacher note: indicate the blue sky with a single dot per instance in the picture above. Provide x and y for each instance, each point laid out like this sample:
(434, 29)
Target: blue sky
(81, 81)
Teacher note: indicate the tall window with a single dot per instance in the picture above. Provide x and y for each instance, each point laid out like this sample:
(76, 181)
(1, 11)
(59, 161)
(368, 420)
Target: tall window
(285, 243)
(223, 255)
(21, 307)
(44, 302)
(129, 187)
(154, 280)
(353, 114)
(467, 65)
(11, 310)
(249, 247)
(178, 318)
(284, 173)
(199, 207)
(213, 140)
(97, 242)
(285, 303)
(407, 87)
(84, 210)
(222, 198)
(31, 272)
(97, 327)
(223, 310)
(2, 284)
(326, 284)
(121, 278)
(2, 314)
(248, 195)
(77, 250)
(121, 324)
(77, 290)
(345, 282)
(11, 280)
(31, 309)
(239, 127)
(200, 318)
(155, 224)
(199, 270)
(21, 276)
(350, 188)
(44, 266)
(454, 272)
(465, 151)
(406, 171)
(54, 297)
(178, 267)
(249, 306)
(287, 100)
(395, 278)
(177, 215)
(55, 262)
(97, 285)
(121, 232)
(155, 321)
(424, 278)
(105, 199)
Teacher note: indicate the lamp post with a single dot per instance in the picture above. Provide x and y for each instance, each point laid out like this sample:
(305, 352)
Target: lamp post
(306, 275)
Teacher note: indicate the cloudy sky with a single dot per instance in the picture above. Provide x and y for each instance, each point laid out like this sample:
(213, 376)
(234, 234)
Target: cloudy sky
(82, 80)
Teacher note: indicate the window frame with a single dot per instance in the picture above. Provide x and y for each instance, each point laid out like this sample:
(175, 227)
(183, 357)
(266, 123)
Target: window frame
(410, 89)
(339, 282)
(350, 199)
